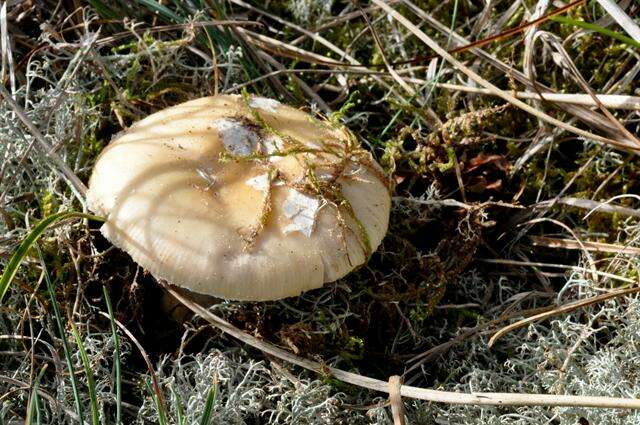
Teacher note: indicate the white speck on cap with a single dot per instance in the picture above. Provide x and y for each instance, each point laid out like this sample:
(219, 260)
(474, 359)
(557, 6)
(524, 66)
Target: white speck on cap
(259, 182)
(324, 175)
(264, 103)
(302, 210)
(272, 144)
(236, 137)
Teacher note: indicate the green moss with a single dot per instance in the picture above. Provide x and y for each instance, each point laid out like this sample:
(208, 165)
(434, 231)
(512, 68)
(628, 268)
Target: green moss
(336, 118)
(49, 203)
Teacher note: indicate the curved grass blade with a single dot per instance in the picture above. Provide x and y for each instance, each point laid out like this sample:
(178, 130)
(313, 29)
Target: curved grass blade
(16, 259)
(63, 335)
(161, 10)
(208, 407)
(33, 408)
(597, 28)
(91, 385)
(162, 417)
(116, 360)
(103, 10)
(180, 419)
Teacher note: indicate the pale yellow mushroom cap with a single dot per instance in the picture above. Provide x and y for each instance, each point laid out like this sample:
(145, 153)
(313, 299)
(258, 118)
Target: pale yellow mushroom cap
(240, 198)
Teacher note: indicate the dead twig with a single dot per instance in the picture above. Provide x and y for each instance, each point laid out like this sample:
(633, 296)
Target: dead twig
(561, 310)
(613, 101)
(555, 266)
(486, 399)
(592, 206)
(143, 353)
(397, 408)
(563, 243)
(501, 93)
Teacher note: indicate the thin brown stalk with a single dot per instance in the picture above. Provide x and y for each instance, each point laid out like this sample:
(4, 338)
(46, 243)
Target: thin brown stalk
(283, 49)
(505, 34)
(554, 266)
(562, 243)
(591, 205)
(613, 101)
(561, 310)
(312, 94)
(376, 39)
(486, 399)
(145, 357)
(584, 114)
(503, 94)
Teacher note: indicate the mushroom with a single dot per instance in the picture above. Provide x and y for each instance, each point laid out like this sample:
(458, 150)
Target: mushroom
(241, 198)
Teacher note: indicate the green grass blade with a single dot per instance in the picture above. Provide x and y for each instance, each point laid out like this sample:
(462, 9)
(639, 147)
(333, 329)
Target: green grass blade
(116, 360)
(16, 259)
(161, 10)
(38, 415)
(103, 10)
(597, 28)
(162, 417)
(63, 335)
(179, 409)
(91, 386)
(208, 407)
(33, 408)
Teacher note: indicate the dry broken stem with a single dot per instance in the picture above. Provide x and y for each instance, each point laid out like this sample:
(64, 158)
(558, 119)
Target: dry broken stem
(561, 310)
(486, 399)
